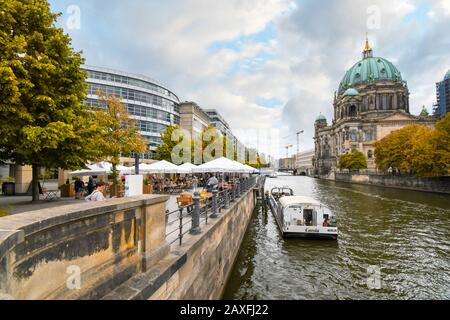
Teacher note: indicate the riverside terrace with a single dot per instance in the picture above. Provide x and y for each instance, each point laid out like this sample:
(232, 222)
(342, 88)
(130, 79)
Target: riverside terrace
(126, 248)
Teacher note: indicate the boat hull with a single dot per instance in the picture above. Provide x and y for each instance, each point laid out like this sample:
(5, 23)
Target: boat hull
(287, 234)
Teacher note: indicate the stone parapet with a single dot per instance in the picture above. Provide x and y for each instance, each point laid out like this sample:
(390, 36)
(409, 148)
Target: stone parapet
(80, 251)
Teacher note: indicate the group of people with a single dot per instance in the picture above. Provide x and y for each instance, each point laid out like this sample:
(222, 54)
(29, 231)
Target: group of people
(92, 191)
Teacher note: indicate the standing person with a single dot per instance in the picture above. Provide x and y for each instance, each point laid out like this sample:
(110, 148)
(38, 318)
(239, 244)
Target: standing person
(79, 188)
(212, 183)
(97, 194)
(91, 185)
(205, 181)
(194, 184)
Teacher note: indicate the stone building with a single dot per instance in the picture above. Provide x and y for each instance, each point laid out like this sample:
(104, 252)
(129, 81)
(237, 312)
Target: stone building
(372, 101)
(193, 118)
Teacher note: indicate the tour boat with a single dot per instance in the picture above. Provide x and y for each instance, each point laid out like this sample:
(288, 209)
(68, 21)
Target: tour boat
(301, 217)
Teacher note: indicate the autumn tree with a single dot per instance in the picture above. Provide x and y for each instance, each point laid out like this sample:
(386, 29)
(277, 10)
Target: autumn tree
(42, 119)
(355, 160)
(117, 133)
(416, 149)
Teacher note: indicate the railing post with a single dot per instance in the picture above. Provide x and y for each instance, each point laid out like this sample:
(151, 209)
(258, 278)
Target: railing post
(214, 214)
(195, 229)
(227, 198)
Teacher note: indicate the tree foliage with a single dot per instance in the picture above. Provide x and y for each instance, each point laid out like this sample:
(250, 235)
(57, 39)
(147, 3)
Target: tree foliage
(355, 160)
(117, 132)
(164, 150)
(416, 149)
(42, 119)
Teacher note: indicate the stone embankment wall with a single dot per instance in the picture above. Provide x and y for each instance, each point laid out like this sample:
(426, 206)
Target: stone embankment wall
(80, 251)
(118, 250)
(435, 184)
(200, 268)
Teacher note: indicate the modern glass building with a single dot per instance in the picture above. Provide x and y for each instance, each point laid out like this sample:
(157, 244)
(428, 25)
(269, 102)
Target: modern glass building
(153, 105)
(443, 96)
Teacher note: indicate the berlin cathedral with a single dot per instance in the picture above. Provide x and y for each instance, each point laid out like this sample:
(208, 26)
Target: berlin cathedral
(371, 102)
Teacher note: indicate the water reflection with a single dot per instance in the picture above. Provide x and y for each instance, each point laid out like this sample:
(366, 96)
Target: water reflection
(403, 234)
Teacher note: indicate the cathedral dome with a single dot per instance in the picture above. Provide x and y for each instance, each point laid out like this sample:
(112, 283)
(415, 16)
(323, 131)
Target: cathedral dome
(351, 92)
(369, 69)
(321, 118)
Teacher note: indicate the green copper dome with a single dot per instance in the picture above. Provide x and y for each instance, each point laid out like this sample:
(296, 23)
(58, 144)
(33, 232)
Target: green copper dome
(351, 92)
(368, 70)
(321, 118)
(447, 76)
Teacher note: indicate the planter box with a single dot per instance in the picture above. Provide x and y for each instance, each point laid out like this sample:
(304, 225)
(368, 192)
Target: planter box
(8, 188)
(119, 191)
(148, 189)
(67, 191)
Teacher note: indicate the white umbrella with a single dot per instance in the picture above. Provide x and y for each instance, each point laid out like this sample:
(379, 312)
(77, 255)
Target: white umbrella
(186, 168)
(100, 168)
(220, 165)
(160, 167)
(250, 169)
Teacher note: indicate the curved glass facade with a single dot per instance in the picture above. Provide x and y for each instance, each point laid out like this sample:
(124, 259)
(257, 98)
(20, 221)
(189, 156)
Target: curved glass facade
(153, 106)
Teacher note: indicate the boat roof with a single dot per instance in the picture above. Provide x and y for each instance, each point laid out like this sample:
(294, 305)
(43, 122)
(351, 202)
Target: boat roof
(295, 200)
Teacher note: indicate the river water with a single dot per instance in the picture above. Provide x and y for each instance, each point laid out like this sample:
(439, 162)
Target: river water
(393, 244)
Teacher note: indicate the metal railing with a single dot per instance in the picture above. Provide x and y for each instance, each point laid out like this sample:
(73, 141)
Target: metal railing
(189, 219)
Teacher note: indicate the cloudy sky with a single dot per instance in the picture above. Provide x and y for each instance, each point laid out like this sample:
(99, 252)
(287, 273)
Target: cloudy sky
(269, 66)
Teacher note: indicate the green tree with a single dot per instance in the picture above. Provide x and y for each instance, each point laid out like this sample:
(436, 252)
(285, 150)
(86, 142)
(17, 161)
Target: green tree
(164, 150)
(416, 149)
(117, 133)
(42, 119)
(353, 161)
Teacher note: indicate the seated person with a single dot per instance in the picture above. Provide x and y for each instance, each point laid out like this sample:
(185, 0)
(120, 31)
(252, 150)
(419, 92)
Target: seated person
(326, 222)
(97, 194)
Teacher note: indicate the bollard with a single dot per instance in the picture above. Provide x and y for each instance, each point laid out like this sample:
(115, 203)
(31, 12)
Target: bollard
(214, 214)
(227, 199)
(195, 229)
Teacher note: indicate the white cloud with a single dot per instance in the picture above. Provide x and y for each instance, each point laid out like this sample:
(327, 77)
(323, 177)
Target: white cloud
(315, 43)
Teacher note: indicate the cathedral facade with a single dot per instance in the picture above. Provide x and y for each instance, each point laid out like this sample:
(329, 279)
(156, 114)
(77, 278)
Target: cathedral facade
(371, 102)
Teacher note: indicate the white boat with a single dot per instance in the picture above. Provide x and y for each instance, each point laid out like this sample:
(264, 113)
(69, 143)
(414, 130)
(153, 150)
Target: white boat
(302, 217)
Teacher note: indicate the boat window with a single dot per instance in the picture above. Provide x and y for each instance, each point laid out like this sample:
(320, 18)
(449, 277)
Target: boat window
(308, 216)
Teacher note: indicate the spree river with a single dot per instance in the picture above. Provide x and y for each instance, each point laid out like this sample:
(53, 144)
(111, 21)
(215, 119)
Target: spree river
(393, 244)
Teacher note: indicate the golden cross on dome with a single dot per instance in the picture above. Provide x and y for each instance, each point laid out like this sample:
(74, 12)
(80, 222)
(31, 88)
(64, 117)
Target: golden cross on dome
(367, 48)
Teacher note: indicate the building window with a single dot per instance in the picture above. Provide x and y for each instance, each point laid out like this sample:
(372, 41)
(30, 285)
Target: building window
(353, 136)
(370, 154)
(353, 111)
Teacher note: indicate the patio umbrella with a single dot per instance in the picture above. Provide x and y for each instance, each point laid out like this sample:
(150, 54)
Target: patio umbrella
(186, 168)
(159, 167)
(220, 165)
(100, 168)
(250, 169)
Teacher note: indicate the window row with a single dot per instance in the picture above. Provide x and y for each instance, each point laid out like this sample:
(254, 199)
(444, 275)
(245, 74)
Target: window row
(129, 81)
(150, 126)
(138, 111)
(130, 94)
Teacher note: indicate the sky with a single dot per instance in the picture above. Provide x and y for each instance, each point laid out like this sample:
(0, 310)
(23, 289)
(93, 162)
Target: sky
(270, 67)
